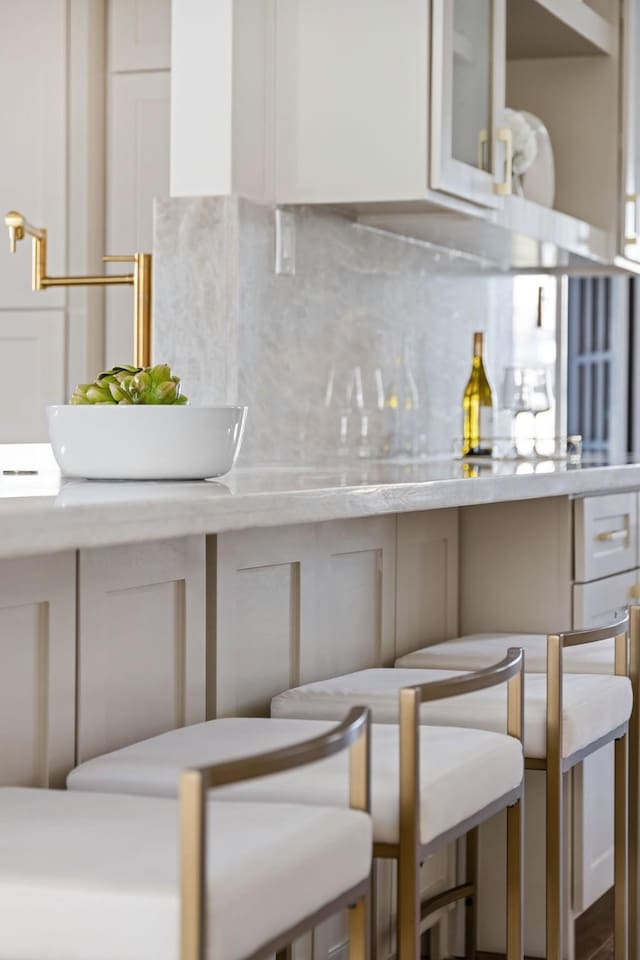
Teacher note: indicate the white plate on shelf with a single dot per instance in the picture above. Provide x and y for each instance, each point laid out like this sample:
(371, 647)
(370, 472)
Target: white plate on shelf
(539, 181)
(155, 442)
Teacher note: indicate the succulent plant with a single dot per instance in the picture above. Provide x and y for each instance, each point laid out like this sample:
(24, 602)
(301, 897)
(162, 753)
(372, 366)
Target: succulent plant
(131, 385)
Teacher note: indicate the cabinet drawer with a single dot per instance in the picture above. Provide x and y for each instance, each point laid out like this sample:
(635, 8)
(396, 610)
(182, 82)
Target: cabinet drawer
(606, 535)
(598, 603)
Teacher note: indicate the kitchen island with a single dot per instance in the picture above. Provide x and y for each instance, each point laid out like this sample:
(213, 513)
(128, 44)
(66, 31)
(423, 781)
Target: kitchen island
(44, 513)
(127, 609)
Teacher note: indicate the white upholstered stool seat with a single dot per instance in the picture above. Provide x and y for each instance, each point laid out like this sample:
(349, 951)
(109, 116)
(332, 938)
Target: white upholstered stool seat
(462, 771)
(593, 706)
(88, 876)
(477, 650)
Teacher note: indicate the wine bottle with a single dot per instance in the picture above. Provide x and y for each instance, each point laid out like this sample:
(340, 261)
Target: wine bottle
(477, 405)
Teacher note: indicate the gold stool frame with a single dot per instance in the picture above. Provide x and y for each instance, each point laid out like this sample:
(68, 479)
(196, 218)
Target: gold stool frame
(409, 852)
(352, 733)
(557, 767)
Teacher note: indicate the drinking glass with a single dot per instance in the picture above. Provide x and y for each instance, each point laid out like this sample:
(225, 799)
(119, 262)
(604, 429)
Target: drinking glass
(354, 400)
(525, 394)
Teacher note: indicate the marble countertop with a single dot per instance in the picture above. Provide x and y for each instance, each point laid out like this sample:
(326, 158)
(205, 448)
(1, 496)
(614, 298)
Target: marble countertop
(42, 513)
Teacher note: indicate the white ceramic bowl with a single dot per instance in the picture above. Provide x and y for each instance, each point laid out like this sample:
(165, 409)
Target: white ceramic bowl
(145, 442)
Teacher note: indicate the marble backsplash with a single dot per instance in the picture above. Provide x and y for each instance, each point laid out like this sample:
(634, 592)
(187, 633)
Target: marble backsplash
(367, 318)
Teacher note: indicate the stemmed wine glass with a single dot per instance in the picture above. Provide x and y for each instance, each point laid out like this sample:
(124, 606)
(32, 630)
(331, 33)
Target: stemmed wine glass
(525, 394)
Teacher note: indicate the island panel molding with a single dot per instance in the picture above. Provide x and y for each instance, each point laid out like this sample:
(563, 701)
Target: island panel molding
(37, 670)
(426, 579)
(299, 603)
(141, 642)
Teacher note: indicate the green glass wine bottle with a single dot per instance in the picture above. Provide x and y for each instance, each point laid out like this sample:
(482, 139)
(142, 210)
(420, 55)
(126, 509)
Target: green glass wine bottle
(477, 405)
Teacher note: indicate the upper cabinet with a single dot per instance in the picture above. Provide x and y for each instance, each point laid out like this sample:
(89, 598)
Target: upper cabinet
(629, 233)
(395, 110)
(470, 152)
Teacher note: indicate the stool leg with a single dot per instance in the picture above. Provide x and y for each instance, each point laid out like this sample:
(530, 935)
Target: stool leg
(471, 903)
(634, 786)
(515, 881)
(408, 907)
(358, 928)
(621, 823)
(554, 861)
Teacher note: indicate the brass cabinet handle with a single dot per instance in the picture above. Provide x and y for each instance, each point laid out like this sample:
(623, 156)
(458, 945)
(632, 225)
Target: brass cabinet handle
(633, 198)
(503, 135)
(610, 535)
(483, 140)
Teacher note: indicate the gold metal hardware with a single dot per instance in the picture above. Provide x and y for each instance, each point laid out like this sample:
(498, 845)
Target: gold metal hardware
(613, 535)
(634, 784)
(633, 198)
(503, 135)
(352, 733)
(625, 844)
(483, 140)
(410, 852)
(139, 279)
(634, 591)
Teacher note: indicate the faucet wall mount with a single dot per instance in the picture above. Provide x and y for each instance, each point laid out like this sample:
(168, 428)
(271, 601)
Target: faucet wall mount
(139, 279)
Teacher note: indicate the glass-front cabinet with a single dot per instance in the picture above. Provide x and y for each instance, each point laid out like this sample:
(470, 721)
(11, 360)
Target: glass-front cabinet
(470, 147)
(630, 193)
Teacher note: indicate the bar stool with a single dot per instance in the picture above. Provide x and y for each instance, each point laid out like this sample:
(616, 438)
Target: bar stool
(87, 876)
(429, 786)
(566, 719)
(474, 651)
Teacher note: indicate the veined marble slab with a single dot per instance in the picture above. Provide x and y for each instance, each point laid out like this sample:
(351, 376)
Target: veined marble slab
(44, 513)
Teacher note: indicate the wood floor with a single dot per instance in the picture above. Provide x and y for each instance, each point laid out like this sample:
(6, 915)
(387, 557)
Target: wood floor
(594, 932)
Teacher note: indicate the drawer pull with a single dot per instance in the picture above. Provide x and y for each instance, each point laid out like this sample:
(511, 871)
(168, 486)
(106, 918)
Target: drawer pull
(609, 535)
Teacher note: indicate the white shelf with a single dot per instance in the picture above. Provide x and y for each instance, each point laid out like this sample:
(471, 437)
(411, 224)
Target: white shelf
(522, 236)
(557, 28)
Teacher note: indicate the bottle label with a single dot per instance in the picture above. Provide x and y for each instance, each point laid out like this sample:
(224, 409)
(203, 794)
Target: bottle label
(486, 427)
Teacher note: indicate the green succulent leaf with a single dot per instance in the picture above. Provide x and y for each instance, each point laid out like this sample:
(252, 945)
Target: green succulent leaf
(125, 385)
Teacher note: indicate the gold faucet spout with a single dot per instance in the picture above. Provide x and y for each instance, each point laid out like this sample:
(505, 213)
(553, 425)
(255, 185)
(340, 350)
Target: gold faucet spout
(139, 279)
(19, 227)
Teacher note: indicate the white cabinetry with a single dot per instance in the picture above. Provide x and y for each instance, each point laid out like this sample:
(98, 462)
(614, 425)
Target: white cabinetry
(375, 107)
(37, 669)
(467, 100)
(629, 230)
(301, 603)
(296, 604)
(141, 642)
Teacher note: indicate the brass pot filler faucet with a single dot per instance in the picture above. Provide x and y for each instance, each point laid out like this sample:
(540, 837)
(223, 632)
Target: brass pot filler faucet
(140, 280)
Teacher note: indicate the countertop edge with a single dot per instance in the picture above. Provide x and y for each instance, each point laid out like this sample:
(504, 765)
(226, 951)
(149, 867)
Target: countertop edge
(30, 526)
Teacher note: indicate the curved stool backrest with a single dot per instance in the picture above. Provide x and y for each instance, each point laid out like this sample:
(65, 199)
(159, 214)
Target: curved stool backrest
(352, 734)
(510, 670)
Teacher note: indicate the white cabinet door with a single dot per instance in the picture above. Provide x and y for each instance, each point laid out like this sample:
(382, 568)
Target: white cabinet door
(427, 579)
(469, 155)
(300, 603)
(33, 107)
(137, 172)
(139, 35)
(629, 231)
(32, 345)
(141, 642)
(37, 669)
(355, 601)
